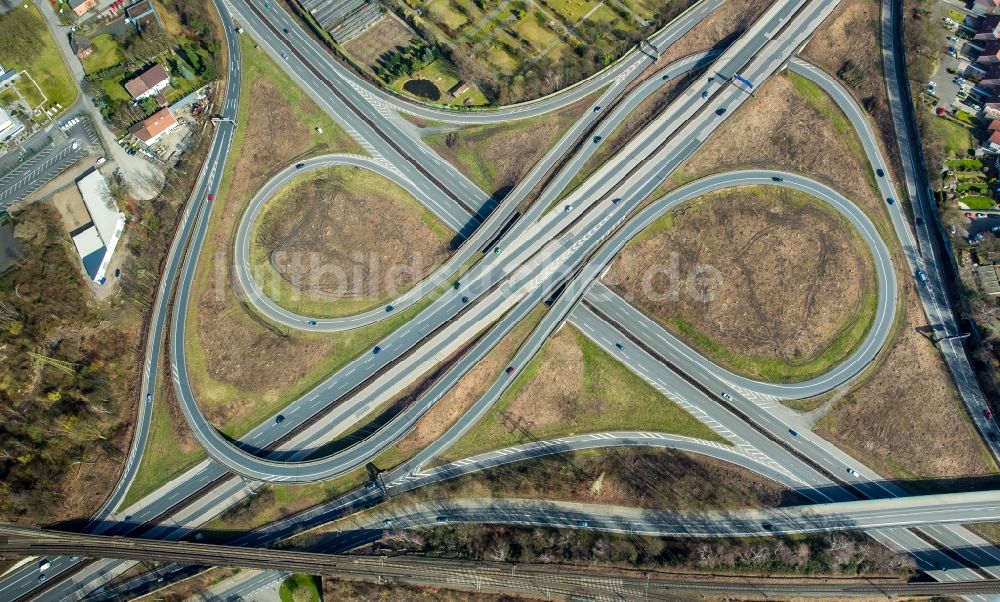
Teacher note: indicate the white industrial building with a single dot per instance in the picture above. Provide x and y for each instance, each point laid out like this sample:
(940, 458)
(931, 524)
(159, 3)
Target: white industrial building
(96, 240)
(9, 126)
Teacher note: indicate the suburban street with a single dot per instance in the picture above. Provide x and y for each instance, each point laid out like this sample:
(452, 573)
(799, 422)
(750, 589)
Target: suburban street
(553, 255)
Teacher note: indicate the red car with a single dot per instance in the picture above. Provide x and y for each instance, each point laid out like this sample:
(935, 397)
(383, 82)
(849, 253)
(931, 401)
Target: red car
(211, 198)
(941, 111)
(988, 413)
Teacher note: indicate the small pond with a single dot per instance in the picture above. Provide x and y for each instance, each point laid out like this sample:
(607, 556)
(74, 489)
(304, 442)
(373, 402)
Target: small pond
(423, 88)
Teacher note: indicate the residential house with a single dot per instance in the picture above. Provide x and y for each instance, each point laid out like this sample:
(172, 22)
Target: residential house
(81, 6)
(986, 7)
(990, 54)
(81, 46)
(153, 128)
(152, 81)
(991, 108)
(991, 78)
(459, 89)
(143, 15)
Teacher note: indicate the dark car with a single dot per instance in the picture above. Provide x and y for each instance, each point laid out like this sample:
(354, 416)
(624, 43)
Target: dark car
(284, 30)
(620, 346)
(582, 523)
(458, 285)
(371, 485)
(312, 322)
(793, 433)
(890, 200)
(279, 419)
(615, 201)
(465, 299)
(299, 165)
(880, 173)
(389, 308)
(720, 111)
(509, 370)
(597, 108)
(777, 179)
(767, 526)
(597, 139)
(376, 350)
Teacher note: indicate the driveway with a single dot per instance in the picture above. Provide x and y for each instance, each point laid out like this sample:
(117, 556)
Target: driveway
(144, 180)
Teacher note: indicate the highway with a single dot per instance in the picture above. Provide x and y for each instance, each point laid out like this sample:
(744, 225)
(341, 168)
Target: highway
(541, 252)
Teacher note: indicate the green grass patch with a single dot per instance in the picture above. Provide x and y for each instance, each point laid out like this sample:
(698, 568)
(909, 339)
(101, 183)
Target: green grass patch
(37, 54)
(957, 139)
(162, 458)
(300, 588)
(818, 99)
(964, 164)
(115, 90)
(976, 201)
(625, 402)
(29, 90)
(572, 10)
(965, 117)
(106, 54)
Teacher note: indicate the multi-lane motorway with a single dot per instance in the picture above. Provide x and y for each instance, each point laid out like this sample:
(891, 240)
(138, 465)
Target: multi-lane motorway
(543, 252)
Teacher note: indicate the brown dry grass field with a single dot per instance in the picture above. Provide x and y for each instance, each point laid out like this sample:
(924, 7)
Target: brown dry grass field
(791, 124)
(342, 240)
(847, 46)
(382, 38)
(721, 28)
(906, 420)
(497, 157)
(657, 479)
(791, 275)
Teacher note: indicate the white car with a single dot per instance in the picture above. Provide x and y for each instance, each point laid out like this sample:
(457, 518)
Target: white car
(853, 473)
(727, 396)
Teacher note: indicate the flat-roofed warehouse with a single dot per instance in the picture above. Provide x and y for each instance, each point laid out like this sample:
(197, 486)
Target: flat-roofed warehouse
(344, 19)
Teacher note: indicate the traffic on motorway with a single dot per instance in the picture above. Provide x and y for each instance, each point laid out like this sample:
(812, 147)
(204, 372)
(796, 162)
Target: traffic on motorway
(521, 258)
